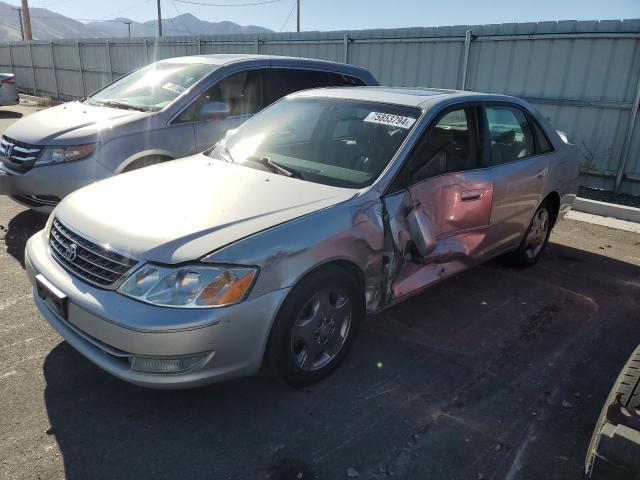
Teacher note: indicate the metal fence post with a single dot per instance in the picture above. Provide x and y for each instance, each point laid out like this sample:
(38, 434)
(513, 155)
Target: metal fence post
(55, 73)
(468, 37)
(33, 72)
(11, 59)
(84, 94)
(345, 46)
(256, 43)
(146, 49)
(199, 46)
(626, 149)
(109, 61)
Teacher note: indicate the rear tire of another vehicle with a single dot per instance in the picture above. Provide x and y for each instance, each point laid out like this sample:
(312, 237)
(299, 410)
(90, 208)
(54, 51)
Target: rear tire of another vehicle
(627, 385)
(315, 327)
(536, 237)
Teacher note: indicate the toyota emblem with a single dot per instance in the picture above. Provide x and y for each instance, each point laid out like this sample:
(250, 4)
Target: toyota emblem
(71, 252)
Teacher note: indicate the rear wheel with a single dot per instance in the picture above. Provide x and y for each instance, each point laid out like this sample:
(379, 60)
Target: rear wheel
(536, 237)
(315, 327)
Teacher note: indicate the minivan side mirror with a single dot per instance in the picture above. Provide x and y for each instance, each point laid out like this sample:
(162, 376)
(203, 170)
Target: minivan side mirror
(420, 232)
(214, 110)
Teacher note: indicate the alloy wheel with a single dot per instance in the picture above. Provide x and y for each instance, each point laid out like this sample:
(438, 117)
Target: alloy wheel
(321, 329)
(537, 234)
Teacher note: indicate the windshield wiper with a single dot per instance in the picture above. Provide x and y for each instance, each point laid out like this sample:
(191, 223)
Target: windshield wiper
(126, 106)
(278, 168)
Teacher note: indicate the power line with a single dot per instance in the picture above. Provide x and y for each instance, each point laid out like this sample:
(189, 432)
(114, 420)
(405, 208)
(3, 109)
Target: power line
(228, 4)
(184, 24)
(295, 2)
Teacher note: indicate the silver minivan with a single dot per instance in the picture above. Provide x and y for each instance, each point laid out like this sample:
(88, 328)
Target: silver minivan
(166, 110)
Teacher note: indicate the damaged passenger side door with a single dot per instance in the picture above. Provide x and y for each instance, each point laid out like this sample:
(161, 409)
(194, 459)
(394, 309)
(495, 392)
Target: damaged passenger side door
(441, 212)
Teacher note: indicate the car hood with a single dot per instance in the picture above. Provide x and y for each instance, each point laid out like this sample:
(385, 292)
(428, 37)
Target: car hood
(184, 209)
(67, 123)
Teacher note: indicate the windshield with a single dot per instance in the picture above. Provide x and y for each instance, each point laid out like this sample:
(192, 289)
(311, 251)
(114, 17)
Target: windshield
(338, 142)
(153, 87)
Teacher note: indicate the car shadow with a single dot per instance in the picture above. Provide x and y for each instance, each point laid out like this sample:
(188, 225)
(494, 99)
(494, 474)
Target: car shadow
(458, 380)
(9, 114)
(20, 228)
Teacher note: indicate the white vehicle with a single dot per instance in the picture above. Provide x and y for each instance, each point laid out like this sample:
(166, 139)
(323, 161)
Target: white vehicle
(8, 90)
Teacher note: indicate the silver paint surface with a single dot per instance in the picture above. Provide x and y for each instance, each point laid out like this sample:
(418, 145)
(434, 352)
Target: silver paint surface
(200, 209)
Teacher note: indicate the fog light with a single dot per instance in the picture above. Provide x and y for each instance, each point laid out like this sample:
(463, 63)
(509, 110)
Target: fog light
(167, 365)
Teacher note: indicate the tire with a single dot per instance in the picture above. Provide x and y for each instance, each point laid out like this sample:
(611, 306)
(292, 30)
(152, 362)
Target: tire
(144, 162)
(627, 385)
(536, 237)
(315, 327)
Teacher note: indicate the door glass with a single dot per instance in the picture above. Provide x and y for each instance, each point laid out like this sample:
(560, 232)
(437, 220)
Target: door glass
(510, 132)
(449, 146)
(280, 82)
(240, 91)
(542, 142)
(341, 80)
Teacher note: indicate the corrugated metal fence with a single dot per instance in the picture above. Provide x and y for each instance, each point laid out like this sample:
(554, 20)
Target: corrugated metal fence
(583, 76)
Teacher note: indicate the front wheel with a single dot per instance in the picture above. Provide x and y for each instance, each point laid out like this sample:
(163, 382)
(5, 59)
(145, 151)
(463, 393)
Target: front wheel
(536, 238)
(315, 327)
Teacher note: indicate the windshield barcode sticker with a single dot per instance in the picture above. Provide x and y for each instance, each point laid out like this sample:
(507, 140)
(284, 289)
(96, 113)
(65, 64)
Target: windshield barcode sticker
(389, 119)
(172, 87)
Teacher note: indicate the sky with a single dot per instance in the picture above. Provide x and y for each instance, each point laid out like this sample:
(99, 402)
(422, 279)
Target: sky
(352, 14)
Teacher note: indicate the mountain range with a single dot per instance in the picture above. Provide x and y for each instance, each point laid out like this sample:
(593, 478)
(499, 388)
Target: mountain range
(48, 25)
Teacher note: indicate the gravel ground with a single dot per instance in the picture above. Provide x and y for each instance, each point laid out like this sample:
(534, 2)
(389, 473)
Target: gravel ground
(498, 373)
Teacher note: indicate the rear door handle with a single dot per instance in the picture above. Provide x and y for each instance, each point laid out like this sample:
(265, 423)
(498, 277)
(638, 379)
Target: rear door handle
(470, 195)
(541, 174)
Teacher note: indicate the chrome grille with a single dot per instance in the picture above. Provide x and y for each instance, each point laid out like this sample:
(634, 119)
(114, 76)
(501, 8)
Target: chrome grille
(88, 260)
(18, 156)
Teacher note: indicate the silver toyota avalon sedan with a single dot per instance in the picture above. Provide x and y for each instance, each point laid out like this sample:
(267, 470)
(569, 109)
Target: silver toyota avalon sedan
(272, 246)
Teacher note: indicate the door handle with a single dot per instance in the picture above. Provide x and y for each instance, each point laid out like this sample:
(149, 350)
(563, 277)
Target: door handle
(541, 174)
(470, 195)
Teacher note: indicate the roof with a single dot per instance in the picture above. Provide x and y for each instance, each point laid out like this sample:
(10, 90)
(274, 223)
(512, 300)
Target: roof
(410, 97)
(228, 58)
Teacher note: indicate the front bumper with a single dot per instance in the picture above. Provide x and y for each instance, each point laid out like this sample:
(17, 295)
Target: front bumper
(52, 181)
(110, 329)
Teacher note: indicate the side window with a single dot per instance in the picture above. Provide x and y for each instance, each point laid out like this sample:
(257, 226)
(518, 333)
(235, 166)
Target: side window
(451, 145)
(543, 145)
(280, 82)
(240, 91)
(510, 134)
(341, 80)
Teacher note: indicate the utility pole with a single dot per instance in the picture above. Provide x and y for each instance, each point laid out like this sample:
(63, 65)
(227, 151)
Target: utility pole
(128, 24)
(19, 10)
(298, 23)
(27, 20)
(159, 20)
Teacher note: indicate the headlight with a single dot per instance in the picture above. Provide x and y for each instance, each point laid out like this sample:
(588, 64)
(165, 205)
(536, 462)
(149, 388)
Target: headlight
(197, 286)
(65, 154)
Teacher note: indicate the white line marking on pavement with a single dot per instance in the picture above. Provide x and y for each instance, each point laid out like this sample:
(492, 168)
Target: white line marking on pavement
(8, 374)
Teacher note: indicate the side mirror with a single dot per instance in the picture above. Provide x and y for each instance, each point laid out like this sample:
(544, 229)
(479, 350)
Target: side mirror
(421, 232)
(214, 110)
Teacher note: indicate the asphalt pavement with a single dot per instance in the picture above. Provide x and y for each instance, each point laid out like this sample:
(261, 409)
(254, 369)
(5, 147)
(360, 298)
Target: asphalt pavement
(498, 373)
